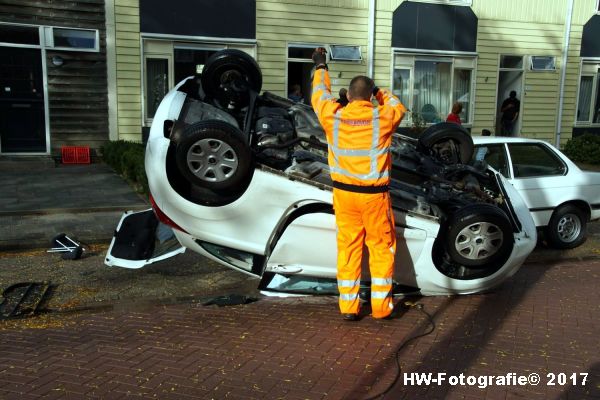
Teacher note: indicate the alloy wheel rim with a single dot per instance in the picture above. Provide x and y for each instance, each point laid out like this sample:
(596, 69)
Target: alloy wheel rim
(568, 228)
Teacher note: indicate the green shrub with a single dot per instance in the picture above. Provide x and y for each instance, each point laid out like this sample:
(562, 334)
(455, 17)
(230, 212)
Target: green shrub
(584, 148)
(127, 159)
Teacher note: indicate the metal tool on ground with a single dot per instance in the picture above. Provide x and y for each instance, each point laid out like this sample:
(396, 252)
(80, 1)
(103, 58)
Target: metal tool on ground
(71, 249)
(23, 299)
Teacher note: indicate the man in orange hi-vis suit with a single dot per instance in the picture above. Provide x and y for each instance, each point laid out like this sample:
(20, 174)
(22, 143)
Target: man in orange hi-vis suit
(359, 137)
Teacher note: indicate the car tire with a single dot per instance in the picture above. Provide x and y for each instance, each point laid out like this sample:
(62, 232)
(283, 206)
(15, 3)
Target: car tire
(228, 77)
(479, 236)
(214, 155)
(567, 228)
(448, 142)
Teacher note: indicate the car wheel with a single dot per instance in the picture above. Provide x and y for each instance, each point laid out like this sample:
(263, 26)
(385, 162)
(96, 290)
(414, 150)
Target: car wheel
(214, 155)
(479, 236)
(448, 142)
(228, 77)
(567, 228)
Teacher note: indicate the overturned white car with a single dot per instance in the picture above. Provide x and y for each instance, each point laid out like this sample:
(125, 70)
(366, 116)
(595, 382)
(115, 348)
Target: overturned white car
(242, 178)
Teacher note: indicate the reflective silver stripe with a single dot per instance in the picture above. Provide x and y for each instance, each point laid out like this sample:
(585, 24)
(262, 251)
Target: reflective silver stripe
(375, 139)
(348, 283)
(393, 101)
(336, 128)
(360, 152)
(373, 175)
(349, 297)
(381, 281)
(326, 96)
(320, 86)
(380, 295)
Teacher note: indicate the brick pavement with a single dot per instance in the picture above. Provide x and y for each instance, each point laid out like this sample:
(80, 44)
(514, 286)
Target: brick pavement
(544, 319)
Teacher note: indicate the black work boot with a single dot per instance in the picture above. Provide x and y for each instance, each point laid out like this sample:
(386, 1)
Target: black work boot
(350, 317)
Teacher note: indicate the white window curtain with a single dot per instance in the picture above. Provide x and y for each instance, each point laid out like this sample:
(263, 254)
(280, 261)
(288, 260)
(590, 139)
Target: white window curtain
(585, 97)
(401, 85)
(157, 81)
(432, 92)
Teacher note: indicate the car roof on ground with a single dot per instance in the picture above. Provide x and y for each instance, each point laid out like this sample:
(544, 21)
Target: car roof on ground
(503, 139)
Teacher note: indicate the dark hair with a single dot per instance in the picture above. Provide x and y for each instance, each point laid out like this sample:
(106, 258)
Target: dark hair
(513, 93)
(361, 87)
(457, 107)
(486, 132)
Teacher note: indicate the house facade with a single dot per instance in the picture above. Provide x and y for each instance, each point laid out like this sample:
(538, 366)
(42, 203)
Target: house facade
(53, 75)
(431, 53)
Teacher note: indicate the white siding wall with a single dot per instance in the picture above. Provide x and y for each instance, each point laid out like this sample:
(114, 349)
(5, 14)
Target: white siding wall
(129, 102)
(308, 21)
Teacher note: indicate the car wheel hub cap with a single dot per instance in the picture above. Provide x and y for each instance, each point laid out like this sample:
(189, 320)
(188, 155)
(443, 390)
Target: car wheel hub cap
(478, 241)
(569, 228)
(212, 160)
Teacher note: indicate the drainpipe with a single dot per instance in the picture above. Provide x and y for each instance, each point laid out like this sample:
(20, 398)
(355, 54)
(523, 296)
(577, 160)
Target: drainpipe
(371, 48)
(563, 73)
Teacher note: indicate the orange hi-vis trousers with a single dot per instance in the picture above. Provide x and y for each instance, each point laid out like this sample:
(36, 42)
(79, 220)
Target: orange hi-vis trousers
(365, 218)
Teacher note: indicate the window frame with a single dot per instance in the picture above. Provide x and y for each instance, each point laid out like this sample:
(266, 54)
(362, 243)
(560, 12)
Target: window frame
(352, 60)
(532, 69)
(452, 57)
(49, 39)
(597, 6)
(543, 146)
(594, 98)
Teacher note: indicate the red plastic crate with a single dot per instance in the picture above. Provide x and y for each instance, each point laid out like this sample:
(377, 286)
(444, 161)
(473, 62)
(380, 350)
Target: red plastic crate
(75, 154)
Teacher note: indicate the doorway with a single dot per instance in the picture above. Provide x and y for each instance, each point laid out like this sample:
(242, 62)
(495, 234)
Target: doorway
(299, 73)
(22, 107)
(510, 77)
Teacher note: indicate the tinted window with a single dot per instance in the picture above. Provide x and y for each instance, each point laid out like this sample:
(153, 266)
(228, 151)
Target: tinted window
(19, 34)
(494, 155)
(529, 159)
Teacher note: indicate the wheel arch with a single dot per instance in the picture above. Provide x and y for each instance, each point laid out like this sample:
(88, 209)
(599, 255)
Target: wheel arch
(581, 204)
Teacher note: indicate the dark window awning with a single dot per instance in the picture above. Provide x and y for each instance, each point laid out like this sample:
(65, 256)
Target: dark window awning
(434, 27)
(590, 42)
(205, 18)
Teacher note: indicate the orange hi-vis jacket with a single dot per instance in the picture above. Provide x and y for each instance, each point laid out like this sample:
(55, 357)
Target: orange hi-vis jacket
(359, 135)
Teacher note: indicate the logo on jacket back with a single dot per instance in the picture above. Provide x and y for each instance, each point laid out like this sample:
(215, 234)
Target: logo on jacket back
(356, 122)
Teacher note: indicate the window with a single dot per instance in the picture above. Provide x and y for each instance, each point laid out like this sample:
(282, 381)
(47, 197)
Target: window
(511, 62)
(299, 67)
(19, 34)
(529, 160)
(190, 61)
(71, 39)
(494, 155)
(345, 53)
(542, 63)
(588, 99)
(430, 85)
(157, 83)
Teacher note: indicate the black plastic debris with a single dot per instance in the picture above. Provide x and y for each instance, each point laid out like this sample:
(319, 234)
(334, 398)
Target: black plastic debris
(229, 300)
(24, 299)
(70, 249)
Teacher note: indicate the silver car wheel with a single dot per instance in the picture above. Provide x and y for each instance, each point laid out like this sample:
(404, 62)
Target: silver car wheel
(568, 228)
(479, 240)
(212, 160)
